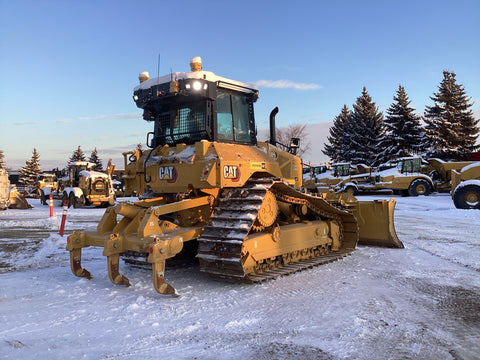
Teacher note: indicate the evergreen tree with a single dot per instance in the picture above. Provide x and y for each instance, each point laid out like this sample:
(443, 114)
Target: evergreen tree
(451, 129)
(77, 155)
(30, 173)
(338, 148)
(404, 132)
(2, 160)
(96, 160)
(367, 128)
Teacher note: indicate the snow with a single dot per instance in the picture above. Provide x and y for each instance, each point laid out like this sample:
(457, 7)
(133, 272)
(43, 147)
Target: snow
(468, 182)
(471, 166)
(76, 190)
(186, 155)
(207, 75)
(93, 174)
(421, 302)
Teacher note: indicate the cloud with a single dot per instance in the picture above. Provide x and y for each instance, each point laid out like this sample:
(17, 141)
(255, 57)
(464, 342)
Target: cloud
(27, 122)
(102, 117)
(286, 84)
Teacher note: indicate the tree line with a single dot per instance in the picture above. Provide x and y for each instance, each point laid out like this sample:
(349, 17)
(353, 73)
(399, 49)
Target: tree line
(447, 130)
(30, 173)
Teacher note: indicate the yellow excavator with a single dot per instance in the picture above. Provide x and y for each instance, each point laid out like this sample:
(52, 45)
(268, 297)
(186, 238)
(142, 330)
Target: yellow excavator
(210, 185)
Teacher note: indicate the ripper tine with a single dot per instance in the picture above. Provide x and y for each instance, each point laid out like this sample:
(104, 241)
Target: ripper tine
(76, 266)
(113, 271)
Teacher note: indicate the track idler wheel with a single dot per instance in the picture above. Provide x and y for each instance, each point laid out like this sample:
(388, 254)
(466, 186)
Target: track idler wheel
(267, 214)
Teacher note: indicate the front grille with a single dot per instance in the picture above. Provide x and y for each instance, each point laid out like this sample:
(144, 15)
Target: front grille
(99, 187)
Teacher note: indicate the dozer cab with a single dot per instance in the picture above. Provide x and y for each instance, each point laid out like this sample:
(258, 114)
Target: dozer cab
(212, 184)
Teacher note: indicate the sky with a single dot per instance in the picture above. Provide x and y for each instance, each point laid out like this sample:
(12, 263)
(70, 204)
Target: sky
(68, 69)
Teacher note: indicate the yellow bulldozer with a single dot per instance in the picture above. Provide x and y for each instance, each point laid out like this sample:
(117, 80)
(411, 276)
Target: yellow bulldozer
(212, 186)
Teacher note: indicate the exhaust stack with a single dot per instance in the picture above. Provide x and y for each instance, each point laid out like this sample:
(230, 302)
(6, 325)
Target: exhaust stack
(273, 136)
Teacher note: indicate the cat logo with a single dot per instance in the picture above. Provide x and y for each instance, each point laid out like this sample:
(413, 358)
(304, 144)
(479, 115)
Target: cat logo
(231, 172)
(168, 173)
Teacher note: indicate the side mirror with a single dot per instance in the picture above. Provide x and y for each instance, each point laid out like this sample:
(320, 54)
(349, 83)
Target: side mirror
(294, 145)
(150, 137)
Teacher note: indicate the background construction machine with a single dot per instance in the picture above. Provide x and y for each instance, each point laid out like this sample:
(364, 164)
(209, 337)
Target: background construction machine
(323, 179)
(10, 197)
(440, 172)
(4, 189)
(403, 177)
(47, 180)
(81, 186)
(213, 187)
(466, 186)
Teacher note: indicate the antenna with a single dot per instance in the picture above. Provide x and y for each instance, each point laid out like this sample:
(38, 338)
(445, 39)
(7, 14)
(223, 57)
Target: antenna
(158, 66)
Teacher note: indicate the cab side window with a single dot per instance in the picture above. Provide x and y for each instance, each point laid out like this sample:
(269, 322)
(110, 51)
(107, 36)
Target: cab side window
(224, 117)
(240, 118)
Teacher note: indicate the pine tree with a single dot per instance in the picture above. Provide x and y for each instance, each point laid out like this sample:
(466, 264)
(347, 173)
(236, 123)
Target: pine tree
(96, 160)
(367, 129)
(339, 148)
(2, 160)
(30, 173)
(404, 136)
(77, 155)
(451, 129)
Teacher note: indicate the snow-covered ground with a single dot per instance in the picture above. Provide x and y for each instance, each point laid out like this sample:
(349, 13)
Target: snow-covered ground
(421, 302)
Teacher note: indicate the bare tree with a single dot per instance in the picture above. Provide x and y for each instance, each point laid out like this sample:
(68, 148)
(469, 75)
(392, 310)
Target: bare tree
(285, 134)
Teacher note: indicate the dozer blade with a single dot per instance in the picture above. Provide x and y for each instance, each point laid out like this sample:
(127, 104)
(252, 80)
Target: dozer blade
(375, 219)
(375, 223)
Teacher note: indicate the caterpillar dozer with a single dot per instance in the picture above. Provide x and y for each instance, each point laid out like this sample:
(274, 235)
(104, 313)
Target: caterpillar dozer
(210, 183)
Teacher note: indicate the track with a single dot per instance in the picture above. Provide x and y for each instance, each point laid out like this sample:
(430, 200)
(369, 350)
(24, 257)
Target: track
(221, 244)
